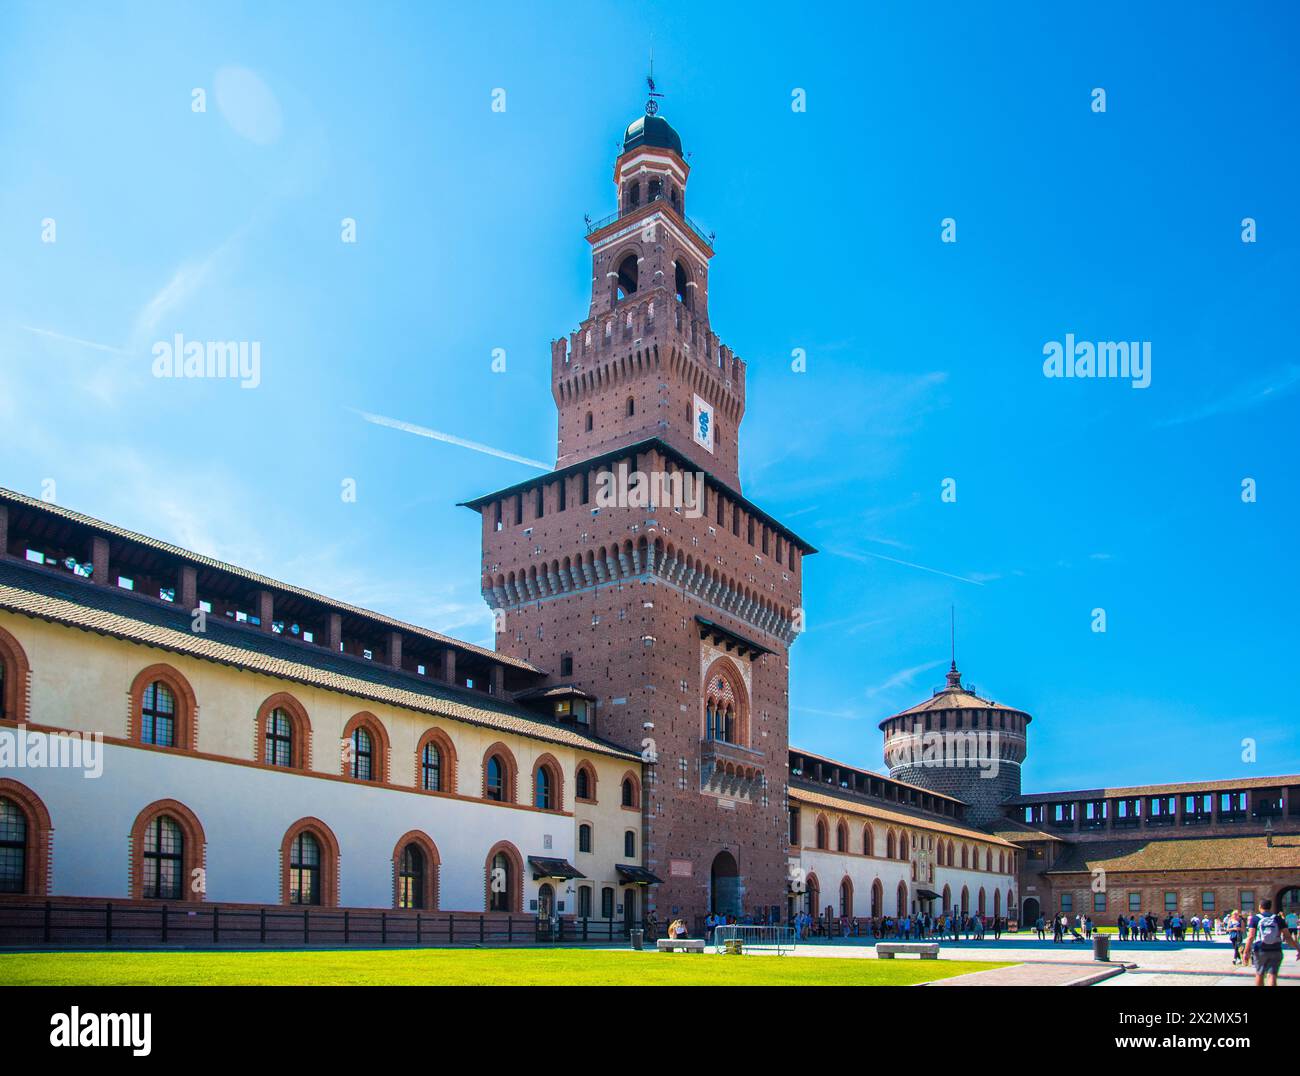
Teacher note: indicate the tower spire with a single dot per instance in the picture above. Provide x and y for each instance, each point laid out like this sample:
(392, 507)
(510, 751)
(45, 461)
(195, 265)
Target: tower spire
(954, 677)
(652, 105)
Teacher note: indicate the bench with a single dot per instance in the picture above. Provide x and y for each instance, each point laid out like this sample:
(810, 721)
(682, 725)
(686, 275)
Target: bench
(925, 950)
(686, 945)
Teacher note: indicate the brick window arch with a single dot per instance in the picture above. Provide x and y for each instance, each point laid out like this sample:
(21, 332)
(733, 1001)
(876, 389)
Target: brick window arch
(584, 782)
(846, 896)
(309, 870)
(630, 789)
(500, 781)
(903, 848)
(891, 845)
(814, 889)
(168, 852)
(283, 733)
(164, 710)
(435, 762)
(15, 674)
(725, 704)
(841, 836)
(365, 750)
(506, 895)
(26, 843)
(902, 898)
(868, 842)
(822, 833)
(416, 865)
(548, 784)
(965, 859)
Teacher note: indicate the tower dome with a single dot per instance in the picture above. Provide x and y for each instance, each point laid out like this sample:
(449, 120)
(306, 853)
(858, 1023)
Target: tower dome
(959, 744)
(652, 131)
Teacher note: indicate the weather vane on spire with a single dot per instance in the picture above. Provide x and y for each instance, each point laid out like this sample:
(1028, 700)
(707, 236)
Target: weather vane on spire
(652, 106)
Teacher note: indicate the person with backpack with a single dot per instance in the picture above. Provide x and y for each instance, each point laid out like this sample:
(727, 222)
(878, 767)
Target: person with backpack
(1264, 939)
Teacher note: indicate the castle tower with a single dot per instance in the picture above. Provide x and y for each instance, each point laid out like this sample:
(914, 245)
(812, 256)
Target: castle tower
(672, 604)
(961, 745)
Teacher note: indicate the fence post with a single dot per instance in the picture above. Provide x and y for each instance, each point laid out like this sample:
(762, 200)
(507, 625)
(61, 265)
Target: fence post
(108, 922)
(584, 930)
(306, 927)
(482, 924)
(164, 922)
(510, 927)
(383, 928)
(48, 913)
(451, 928)
(216, 924)
(347, 929)
(418, 938)
(262, 927)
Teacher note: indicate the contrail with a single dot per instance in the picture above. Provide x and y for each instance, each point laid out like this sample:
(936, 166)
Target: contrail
(74, 340)
(451, 439)
(904, 563)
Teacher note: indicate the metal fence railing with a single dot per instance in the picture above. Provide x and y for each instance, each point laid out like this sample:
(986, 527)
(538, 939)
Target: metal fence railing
(779, 939)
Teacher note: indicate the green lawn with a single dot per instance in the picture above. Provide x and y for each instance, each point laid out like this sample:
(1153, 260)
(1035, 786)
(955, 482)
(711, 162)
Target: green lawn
(467, 967)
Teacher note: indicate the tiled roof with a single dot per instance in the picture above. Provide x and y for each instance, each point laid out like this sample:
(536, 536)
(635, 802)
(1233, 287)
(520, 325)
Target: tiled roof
(954, 697)
(1011, 830)
(1160, 790)
(7, 495)
(65, 599)
(1186, 854)
(890, 814)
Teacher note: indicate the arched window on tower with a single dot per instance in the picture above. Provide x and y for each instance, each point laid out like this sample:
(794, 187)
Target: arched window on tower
(631, 407)
(681, 281)
(627, 277)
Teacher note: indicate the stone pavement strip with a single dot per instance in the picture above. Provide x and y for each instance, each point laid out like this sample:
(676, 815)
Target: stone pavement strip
(1044, 973)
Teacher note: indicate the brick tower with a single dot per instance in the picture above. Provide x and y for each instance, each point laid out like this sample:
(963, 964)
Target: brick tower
(962, 745)
(661, 602)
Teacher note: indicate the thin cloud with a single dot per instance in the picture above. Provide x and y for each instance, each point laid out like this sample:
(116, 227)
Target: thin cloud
(451, 439)
(848, 554)
(1253, 395)
(74, 340)
(902, 678)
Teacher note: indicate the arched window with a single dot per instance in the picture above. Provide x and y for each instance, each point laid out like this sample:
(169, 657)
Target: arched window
(584, 783)
(891, 846)
(543, 789)
(14, 839)
(435, 762)
(158, 715)
(584, 838)
(726, 705)
(496, 777)
(981, 903)
(279, 738)
(548, 787)
(627, 277)
(167, 845)
(367, 754)
(410, 878)
(841, 838)
(309, 864)
(163, 708)
(304, 870)
(846, 897)
(681, 283)
(363, 755)
(821, 833)
(629, 844)
(902, 847)
(415, 872)
(504, 879)
(631, 407)
(588, 425)
(631, 789)
(164, 860)
(13, 678)
(431, 768)
(499, 774)
(285, 732)
(868, 845)
(964, 863)
(902, 898)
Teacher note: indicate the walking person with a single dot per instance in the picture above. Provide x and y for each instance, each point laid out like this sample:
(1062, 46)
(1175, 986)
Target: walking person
(1264, 939)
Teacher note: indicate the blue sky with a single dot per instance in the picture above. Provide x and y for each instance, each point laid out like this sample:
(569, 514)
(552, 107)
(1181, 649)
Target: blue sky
(924, 358)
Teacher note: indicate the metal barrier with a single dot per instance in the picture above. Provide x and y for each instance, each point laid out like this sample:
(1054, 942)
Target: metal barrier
(778, 938)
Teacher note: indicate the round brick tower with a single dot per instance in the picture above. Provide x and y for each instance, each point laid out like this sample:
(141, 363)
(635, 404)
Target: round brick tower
(961, 745)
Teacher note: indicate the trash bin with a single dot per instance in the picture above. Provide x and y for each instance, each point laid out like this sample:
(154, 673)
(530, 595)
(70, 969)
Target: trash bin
(1101, 947)
(638, 939)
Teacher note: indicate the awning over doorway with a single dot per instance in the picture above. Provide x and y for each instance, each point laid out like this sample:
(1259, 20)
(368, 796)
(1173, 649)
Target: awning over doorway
(558, 869)
(927, 894)
(636, 875)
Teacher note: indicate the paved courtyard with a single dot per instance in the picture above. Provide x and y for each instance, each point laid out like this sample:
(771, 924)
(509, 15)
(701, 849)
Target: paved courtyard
(1046, 963)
